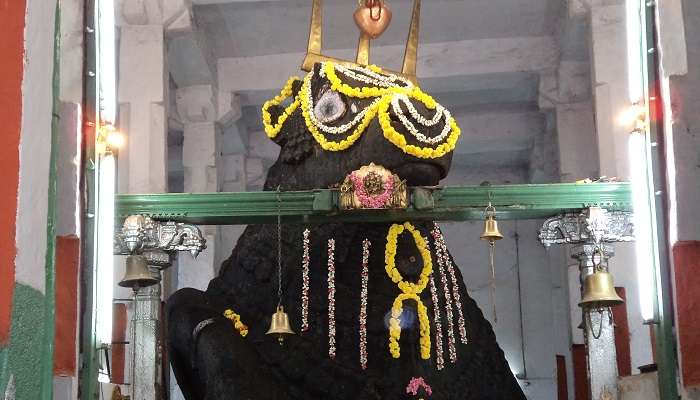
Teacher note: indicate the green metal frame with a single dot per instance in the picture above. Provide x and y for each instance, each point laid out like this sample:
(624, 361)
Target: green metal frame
(50, 263)
(89, 363)
(666, 353)
(318, 206)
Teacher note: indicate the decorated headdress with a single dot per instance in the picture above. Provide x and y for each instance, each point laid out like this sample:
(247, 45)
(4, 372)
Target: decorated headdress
(347, 96)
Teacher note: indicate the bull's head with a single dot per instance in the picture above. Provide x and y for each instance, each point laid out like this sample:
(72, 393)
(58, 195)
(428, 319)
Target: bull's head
(341, 117)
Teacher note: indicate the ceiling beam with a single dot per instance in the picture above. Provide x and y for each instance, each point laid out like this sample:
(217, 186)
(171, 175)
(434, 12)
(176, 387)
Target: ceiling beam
(456, 58)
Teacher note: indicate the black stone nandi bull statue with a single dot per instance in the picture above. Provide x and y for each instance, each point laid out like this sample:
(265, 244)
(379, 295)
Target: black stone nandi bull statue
(317, 130)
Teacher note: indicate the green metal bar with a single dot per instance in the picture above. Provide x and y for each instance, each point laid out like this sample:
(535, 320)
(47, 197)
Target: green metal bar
(320, 206)
(50, 265)
(89, 364)
(666, 356)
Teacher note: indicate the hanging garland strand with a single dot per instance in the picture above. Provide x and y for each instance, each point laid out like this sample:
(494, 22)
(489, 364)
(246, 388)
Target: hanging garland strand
(409, 290)
(305, 283)
(448, 300)
(331, 298)
(442, 248)
(363, 303)
(439, 357)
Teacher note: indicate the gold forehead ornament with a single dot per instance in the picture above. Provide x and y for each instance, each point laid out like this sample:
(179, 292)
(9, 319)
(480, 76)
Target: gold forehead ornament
(315, 47)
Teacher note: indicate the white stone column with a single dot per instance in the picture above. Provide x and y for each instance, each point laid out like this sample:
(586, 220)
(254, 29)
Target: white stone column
(201, 114)
(609, 76)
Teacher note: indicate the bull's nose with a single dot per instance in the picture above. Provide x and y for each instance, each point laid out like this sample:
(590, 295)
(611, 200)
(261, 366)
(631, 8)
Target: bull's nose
(420, 173)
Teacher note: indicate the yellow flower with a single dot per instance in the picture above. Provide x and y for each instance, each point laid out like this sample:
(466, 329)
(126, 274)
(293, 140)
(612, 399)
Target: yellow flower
(410, 291)
(236, 321)
(272, 129)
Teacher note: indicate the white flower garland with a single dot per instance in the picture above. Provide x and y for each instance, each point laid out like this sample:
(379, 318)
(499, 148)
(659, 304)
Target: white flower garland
(363, 302)
(440, 359)
(305, 283)
(442, 248)
(448, 300)
(440, 111)
(331, 298)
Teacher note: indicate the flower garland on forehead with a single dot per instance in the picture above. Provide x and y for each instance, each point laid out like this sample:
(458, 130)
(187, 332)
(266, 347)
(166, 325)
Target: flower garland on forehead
(385, 89)
(410, 290)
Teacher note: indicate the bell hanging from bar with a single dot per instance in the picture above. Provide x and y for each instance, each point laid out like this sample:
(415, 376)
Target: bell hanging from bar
(137, 274)
(599, 291)
(491, 232)
(279, 325)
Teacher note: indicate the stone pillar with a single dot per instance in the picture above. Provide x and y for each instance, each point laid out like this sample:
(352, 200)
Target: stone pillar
(202, 117)
(592, 229)
(609, 76)
(599, 330)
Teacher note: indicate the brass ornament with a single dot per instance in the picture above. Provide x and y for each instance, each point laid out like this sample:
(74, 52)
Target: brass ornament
(314, 52)
(373, 179)
(599, 289)
(137, 274)
(492, 234)
(279, 325)
(372, 17)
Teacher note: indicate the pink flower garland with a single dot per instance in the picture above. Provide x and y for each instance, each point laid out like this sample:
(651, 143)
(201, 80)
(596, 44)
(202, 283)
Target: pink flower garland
(448, 299)
(331, 298)
(440, 359)
(305, 283)
(442, 248)
(363, 303)
(366, 199)
(417, 383)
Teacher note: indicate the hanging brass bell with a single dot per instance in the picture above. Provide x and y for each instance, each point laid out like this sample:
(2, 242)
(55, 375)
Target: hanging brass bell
(137, 274)
(599, 291)
(279, 325)
(491, 232)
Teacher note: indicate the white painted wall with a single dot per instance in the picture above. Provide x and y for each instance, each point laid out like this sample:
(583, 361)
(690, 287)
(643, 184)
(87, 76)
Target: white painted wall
(35, 148)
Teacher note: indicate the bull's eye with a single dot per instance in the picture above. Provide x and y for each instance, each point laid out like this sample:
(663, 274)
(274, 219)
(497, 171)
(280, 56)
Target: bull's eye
(330, 107)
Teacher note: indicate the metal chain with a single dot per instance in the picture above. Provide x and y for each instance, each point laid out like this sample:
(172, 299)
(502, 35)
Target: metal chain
(279, 248)
(492, 250)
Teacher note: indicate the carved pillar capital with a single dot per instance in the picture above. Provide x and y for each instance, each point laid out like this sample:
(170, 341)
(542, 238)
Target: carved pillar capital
(592, 225)
(156, 239)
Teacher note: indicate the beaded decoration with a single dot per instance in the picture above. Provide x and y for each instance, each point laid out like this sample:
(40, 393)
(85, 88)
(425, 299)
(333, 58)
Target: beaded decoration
(331, 298)
(442, 248)
(363, 303)
(305, 283)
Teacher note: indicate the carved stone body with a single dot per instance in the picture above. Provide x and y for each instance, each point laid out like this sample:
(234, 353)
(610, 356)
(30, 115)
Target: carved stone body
(220, 364)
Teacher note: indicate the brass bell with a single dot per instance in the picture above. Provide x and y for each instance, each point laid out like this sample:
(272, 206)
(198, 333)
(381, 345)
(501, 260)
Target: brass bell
(279, 325)
(491, 232)
(137, 274)
(599, 291)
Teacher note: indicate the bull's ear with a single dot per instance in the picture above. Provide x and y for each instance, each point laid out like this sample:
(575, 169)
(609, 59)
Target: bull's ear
(276, 111)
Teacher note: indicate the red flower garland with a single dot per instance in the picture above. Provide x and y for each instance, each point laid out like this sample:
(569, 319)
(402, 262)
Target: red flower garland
(331, 298)
(305, 283)
(366, 199)
(363, 303)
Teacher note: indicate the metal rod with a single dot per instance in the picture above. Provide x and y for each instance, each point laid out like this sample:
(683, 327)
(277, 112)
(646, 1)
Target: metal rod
(666, 357)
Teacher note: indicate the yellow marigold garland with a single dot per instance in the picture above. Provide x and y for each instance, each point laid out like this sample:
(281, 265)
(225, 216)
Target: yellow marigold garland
(273, 128)
(320, 138)
(410, 290)
(237, 324)
(380, 108)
